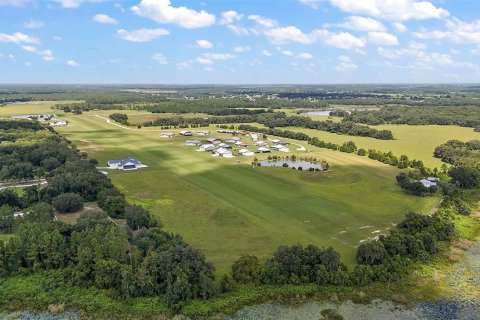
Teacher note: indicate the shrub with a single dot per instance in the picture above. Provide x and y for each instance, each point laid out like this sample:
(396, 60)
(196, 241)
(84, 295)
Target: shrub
(68, 202)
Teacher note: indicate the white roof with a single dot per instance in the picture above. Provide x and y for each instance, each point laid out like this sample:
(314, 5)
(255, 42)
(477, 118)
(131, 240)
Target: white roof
(222, 151)
(207, 146)
(427, 183)
(263, 149)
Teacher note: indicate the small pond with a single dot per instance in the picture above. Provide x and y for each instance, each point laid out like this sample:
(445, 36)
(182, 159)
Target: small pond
(305, 165)
(318, 113)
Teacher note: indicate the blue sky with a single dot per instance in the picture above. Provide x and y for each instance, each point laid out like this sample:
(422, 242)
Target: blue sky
(239, 41)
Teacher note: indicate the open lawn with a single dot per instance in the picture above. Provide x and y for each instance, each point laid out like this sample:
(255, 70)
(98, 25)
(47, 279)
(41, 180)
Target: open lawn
(417, 142)
(228, 209)
(34, 107)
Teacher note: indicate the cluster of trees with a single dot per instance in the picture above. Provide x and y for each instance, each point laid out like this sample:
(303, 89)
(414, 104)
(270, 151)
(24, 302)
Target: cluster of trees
(120, 118)
(459, 153)
(96, 252)
(414, 187)
(65, 168)
(415, 238)
(465, 158)
(421, 115)
(386, 259)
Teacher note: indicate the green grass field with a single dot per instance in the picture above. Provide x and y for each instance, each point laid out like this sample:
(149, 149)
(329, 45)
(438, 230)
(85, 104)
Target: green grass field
(417, 142)
(228, 208)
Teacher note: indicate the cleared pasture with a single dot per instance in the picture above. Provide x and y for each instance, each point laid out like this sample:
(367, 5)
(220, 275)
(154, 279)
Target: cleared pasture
(228, 208)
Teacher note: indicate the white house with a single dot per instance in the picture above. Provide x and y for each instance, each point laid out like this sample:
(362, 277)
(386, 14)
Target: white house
(427, 184)
(245, 152)
(263, 150)
(185, 133)
(207, 147)
(60, 123)
(193, 142)
(433, 179)
(202, 133)
(279, 147)
(261, 144)
(254, 137)
(241, 144)
(232, 140)
(221, 152)
(224, 146)
(167, 134)
(125, 164)
(214, 140)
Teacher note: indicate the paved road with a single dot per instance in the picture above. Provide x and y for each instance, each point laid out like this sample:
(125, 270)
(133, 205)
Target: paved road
(25, 184)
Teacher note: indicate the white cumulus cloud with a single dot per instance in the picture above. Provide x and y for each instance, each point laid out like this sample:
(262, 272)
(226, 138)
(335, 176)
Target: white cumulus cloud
(382, 39)
(205, 44)
(396, 10)
(241, 49)
(305, 56)
(357, 23)
(17, 38)
(141, 35)
(345, 64)
(72, 63)
(103, 18)
(210, 58)
(46, 55)
(162, 11)
(229, 17)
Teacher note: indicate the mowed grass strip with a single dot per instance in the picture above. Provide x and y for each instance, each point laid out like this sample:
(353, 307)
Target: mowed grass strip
(228, 208)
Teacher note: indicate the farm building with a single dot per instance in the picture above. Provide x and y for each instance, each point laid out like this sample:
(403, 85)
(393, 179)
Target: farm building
(224, 146)
(185, 133)
(245, 152)
(193, 142)
(241, 144)
(202, 133)
(125, 164)
(207, 147)
(60, 123)
(232, 140)
(427, 184)
(167, 134)
(279, 147)
(263, 150)
(261, 144)
(221, 152)
(214, 140)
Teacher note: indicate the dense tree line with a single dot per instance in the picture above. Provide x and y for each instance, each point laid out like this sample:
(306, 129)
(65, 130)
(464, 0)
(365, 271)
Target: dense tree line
(385, 259)
(459, 153)
(465, 158)
(424, 115)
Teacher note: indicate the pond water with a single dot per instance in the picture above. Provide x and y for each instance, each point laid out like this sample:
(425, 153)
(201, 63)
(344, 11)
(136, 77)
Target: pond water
(376, 310)
(318, 113)
(305, 165)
